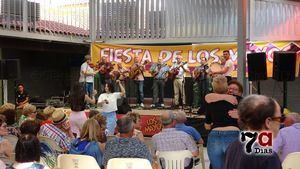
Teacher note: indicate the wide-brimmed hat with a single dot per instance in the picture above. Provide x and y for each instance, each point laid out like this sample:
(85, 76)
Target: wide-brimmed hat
(58, 116)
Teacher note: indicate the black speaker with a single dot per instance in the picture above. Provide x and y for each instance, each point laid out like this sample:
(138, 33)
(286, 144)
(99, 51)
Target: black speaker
(10, 69)
(257, 66)
(284, 66)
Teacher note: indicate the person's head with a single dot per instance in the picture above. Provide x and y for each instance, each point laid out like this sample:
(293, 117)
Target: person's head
(119, 65)
(235, 88)
(10, 115)
(101, 120)
(20, 88)
(219, 84)
(180, 116)
(203, 60)
(168, 119)
(109, 88)
(160, 59)
(60, 119)
(77, 96)
(47, 112)
(179, 59)
(226, 54)
(88, 58)
(30, 127)
(136, 59)
(29, 110)
(136, 119)
(259, 112)
(7, 106)
(2, 120)
(93, 112)
(90, 130)
(28, 149)
(125, 126)
(104, 59)
(291, 118)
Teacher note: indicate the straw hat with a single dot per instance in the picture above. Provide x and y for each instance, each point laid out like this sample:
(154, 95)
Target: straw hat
(58, 116)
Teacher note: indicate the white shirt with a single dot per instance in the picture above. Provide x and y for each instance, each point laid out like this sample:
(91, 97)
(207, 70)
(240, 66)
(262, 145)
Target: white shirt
(181, 73)
(229, 64)
(86, 68)
(112, 101)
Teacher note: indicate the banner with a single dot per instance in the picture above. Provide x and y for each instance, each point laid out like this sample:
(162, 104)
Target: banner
(192, 54)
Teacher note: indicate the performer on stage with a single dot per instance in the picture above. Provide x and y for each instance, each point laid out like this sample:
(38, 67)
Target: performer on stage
(136, 73)
(87, 74)
(22, 97)
(201, 83)
(179, 69)
(228, 66)
(105, 67)
(159, 71)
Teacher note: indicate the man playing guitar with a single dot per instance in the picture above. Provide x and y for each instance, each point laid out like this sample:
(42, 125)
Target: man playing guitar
(136, 70)
(159, 71)
(178, 82)
(87, 74)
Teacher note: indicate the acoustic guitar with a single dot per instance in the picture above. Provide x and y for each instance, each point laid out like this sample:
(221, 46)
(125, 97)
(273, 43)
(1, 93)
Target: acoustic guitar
(174, 72)
(136, 70)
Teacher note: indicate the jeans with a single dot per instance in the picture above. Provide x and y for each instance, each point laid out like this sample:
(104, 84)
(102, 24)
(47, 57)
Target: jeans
(158, 86)
(88, 88)
(139, 85)
(111, 122)
(217, 144)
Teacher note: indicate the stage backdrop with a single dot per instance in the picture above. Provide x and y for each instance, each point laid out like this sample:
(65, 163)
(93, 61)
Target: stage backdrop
(191, 53)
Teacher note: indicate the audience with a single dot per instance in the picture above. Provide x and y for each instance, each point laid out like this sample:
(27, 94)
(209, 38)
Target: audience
(180, 120)
(224, 129)
(88, 142)
(170, 139)
(125, 146)
(47, 114)
(30, 127)
(290, 119)
(102, 123)
(235, 88)
(59, 131)
(257, 113)
(137, 125)
(288, 138)
(6, 149)
(28, 153)
(29, 112)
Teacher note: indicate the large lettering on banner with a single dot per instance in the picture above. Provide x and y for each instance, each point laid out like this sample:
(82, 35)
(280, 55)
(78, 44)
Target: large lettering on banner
(191, 53)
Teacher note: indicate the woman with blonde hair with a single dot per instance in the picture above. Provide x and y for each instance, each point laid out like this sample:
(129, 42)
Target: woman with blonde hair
(224, 129)
(88, 143)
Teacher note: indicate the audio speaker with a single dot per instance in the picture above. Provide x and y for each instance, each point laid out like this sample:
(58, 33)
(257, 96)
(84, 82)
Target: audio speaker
(10, 69)
(257, 67)
(284, 66)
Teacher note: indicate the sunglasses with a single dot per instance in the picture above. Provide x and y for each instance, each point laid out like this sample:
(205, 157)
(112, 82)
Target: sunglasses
(278, 119)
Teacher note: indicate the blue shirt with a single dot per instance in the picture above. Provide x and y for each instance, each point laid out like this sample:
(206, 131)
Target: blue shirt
(162, 70)
(189, 130)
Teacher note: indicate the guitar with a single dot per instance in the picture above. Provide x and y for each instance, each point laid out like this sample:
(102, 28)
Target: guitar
(174, 72)
(136, 70)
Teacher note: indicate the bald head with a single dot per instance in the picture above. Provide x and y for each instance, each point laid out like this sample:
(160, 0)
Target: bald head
(180, 117)
(291, 118)
(167, 118)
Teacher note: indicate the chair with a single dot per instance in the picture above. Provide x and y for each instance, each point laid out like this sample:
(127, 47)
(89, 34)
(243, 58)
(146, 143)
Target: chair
(292, 161)
(201, 155)
(174, 159)
(68, 161)
(53, 145)
(12, 139)
(125, 163)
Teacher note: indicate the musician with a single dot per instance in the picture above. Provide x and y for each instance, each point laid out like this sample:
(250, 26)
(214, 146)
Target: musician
(105, 67)
(22, 97)
(158, 71)
(200, 87)
(178, 82)
(138, 80)
(228, 66)
(87, 74)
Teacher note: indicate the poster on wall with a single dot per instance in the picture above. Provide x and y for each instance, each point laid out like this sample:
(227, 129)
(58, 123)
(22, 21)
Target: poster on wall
(191, 54)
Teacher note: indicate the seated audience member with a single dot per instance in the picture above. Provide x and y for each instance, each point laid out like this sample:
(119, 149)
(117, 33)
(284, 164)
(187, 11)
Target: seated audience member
(8, 110)
(180, 120)
(29, 112)
(288, 138)
(59, 131)
(88, 142)
(171, 139)
(102, 123)
(137, 125)
(125, 146)
(22, 97)
(27, 153)
(6, 149)
(257, 113)
(47, 114)
(290, 119)
(30, 127)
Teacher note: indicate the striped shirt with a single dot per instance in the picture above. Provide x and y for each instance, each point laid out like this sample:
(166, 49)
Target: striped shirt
(51, 131)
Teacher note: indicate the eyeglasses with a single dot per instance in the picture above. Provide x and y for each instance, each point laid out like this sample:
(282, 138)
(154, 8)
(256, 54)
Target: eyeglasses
(278, 119)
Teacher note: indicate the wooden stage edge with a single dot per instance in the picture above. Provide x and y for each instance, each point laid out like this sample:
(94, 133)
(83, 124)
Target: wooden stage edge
(157, 112)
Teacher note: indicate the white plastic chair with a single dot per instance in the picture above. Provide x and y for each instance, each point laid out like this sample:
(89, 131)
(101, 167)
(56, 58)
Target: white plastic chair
(51, 143)
(70, 161)
(125, 163)
(292, 161)
(174, 159)
(201, 155)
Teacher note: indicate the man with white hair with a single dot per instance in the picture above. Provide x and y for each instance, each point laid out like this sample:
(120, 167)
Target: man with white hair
(288, 138)
(179, 69)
